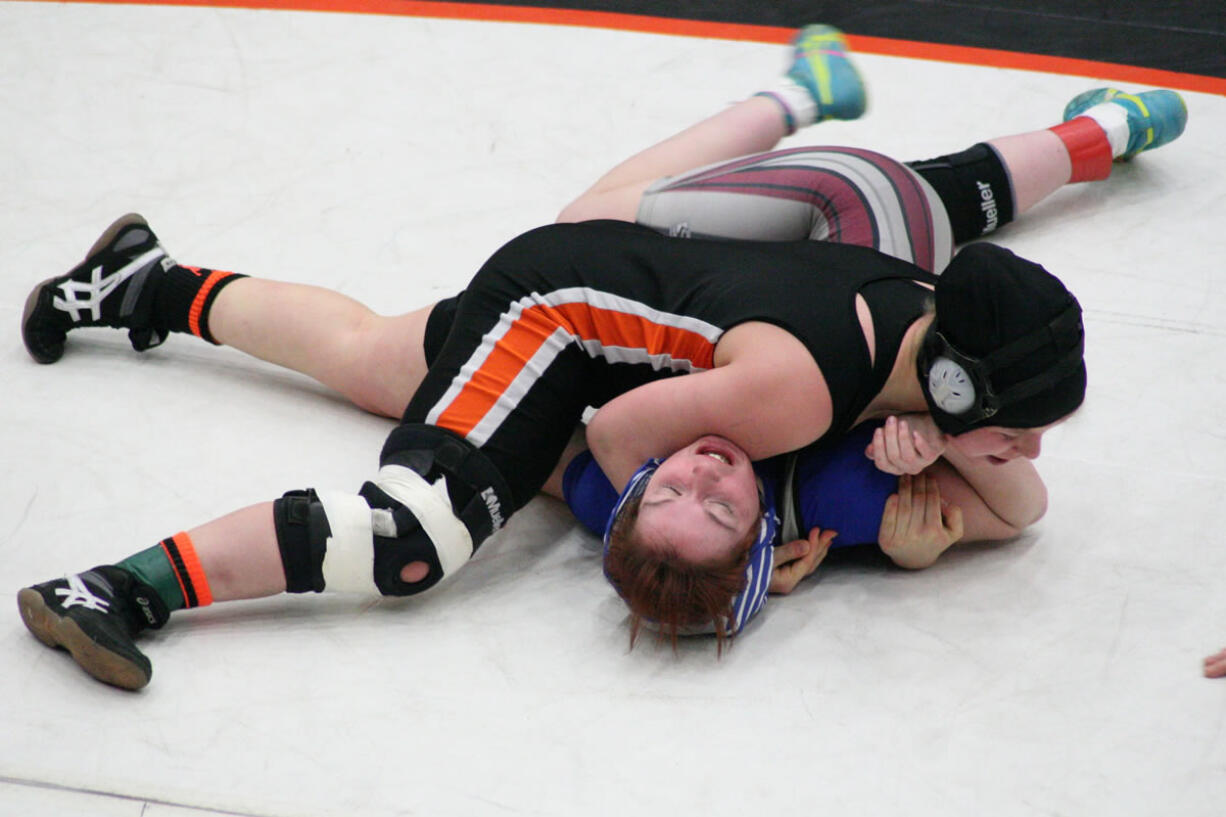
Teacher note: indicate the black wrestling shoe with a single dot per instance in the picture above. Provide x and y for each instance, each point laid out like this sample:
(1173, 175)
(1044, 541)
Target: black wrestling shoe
(111, 287)
(94, 615)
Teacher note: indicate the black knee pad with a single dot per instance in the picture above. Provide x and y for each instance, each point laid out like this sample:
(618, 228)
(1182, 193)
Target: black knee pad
(302, 534)
(403, 543)
(479, 495)
(361, 542)
(975, 188)
(375, 537)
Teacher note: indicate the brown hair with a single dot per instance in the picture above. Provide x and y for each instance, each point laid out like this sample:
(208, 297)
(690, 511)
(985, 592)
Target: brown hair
(669, 592)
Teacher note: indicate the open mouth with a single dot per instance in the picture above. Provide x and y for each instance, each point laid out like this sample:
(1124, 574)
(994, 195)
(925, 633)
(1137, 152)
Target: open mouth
(719, 450)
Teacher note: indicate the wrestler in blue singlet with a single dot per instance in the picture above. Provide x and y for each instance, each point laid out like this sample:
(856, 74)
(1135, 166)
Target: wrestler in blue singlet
(835, 487)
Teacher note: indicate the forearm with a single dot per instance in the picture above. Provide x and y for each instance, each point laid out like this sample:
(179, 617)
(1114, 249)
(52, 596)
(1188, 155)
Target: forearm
(745, 400)
(1012, 493)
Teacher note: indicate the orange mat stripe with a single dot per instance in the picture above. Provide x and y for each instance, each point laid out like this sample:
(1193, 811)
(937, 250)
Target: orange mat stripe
(966, 55)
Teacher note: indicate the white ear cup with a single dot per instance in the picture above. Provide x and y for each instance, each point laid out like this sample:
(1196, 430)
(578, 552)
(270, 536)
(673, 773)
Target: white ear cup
(950, 386)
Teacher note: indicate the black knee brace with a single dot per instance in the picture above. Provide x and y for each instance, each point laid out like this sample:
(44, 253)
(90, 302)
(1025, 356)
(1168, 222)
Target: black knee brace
(360, 543)
(975, 188)
(479, 495)
(435, 500)
(302, 535)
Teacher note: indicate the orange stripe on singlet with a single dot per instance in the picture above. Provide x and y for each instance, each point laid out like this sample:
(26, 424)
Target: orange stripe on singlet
(584, 321)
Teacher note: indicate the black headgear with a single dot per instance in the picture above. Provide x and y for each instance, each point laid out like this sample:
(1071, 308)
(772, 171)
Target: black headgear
(1005, 348)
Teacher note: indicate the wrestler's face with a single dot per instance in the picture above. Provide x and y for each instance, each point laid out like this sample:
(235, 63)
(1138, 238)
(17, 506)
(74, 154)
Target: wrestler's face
(701, 501)
(999, 445)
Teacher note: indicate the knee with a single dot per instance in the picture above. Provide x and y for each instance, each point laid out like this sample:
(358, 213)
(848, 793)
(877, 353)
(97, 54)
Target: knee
(577, 210)
(367, 542)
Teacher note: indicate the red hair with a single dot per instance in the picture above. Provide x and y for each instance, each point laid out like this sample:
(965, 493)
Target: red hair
(673, 594)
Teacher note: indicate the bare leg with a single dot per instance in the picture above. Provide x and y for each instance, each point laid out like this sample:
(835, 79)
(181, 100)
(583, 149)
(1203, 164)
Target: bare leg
(1038, 165)
(1100, 125)
(374, 360)
(750, 126)
(821, 83)
(239, 554)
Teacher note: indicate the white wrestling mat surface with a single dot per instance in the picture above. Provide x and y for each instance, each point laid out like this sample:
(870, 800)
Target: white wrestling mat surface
(387, 157)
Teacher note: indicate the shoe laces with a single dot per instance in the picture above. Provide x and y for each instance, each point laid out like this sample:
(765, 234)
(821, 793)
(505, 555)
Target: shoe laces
(78, 594)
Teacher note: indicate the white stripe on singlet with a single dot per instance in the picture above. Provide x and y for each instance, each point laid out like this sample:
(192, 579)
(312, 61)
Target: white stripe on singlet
(557, 341)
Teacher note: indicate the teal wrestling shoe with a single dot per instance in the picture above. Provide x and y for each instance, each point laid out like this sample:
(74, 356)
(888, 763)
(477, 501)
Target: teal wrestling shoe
(1154, 118)
(823, 67)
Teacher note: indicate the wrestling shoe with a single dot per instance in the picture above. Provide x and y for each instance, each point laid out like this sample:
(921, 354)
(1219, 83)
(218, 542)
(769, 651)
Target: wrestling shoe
(94, 615)
(111, 287)
(822, 66)
(1153, 117)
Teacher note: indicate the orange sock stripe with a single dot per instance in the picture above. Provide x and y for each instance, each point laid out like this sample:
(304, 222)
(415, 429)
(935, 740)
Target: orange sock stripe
(188, 570)
(197, 307)
(611, 328)
(1088, 148)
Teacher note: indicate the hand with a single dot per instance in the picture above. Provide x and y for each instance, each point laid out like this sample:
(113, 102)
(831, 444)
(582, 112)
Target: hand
(917, 526)
(1215, 665)
(798, 558)
(906, 444)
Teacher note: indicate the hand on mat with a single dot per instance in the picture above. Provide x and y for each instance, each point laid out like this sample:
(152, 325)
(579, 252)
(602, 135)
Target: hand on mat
(1215, 665)
(906, 444)
(796, 559)
(917, 526)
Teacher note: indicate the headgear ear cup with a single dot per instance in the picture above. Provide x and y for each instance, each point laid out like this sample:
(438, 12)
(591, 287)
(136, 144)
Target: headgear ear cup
(950, 386)
(1014, 332)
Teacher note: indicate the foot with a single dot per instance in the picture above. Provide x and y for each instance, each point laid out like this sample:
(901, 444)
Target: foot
(108, 288)
(822, 66)
(1134, 122)
(94, 615)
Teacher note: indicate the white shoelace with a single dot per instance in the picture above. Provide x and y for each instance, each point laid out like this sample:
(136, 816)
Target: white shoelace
(77, 594)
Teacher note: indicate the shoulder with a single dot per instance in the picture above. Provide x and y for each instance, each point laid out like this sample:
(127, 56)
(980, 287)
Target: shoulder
(772, 370)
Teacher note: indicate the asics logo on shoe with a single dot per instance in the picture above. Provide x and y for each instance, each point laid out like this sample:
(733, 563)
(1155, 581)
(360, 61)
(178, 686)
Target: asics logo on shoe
(146, 607)
(80, 296)
(77, 594)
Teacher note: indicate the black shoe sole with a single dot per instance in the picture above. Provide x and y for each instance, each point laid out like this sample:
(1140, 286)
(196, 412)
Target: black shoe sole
(55, 630)
(46, 350)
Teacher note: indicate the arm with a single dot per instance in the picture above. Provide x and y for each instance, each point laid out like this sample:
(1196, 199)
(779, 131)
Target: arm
(998, 499)
(765, 394)
(916, 526)
(1215, 665)
(798, 559)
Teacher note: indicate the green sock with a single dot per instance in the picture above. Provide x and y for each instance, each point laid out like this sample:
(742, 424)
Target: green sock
(173, 570)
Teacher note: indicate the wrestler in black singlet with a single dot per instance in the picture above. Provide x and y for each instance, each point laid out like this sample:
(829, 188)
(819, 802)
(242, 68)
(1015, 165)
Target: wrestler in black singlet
(660, 305)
